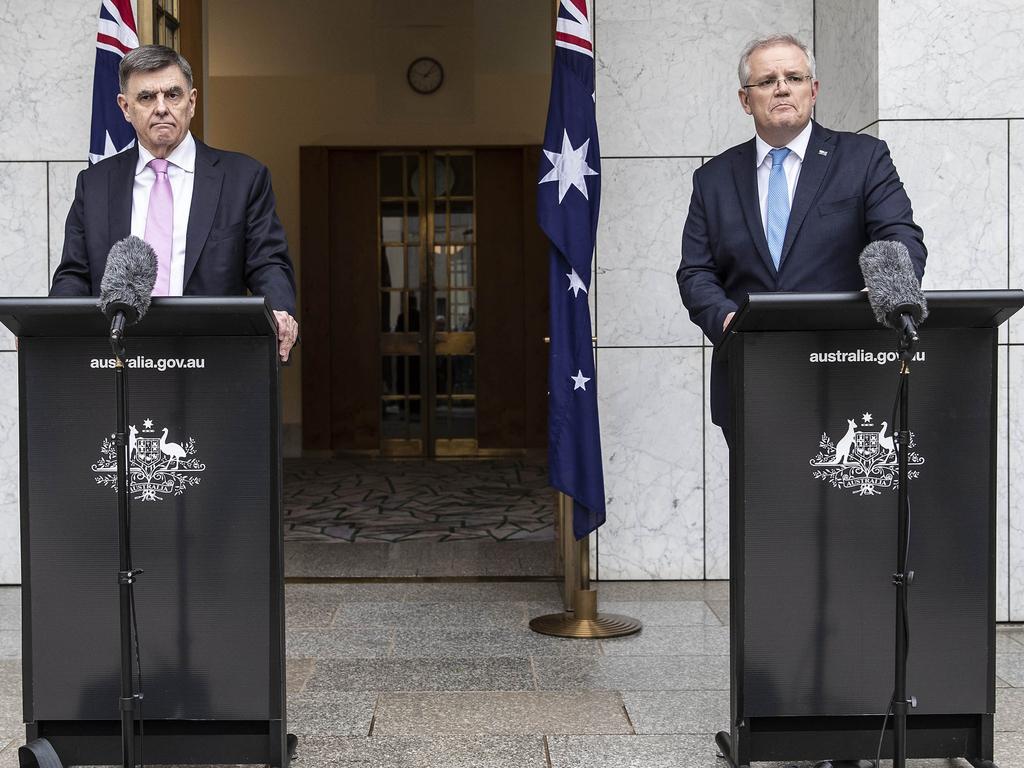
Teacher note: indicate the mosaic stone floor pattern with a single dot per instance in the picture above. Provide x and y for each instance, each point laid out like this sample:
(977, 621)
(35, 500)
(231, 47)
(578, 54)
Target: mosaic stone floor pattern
(389, 501)
(428, 675)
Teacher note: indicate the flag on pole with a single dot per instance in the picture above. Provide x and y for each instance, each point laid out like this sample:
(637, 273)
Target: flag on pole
(568, 198)
(117, 35)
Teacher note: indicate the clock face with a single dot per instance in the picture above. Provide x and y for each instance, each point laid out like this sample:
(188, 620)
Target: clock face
(425, 75)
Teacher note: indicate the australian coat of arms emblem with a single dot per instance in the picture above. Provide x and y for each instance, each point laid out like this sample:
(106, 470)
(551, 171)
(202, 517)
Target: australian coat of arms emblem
(864, 460)
(158, 467)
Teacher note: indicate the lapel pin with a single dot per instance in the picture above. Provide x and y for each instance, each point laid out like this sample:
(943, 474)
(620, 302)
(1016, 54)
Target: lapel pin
(823, 153)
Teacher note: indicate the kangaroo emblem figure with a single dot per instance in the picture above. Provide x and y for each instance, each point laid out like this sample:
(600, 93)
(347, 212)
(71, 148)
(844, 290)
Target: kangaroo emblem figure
(845, 444)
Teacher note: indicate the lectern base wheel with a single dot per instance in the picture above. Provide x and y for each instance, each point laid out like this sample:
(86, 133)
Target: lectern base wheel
(38, 753)
(292, 745)
(724, 741)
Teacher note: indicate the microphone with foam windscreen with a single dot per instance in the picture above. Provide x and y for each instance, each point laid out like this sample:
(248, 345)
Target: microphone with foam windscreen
(893, 288)
(127, 284)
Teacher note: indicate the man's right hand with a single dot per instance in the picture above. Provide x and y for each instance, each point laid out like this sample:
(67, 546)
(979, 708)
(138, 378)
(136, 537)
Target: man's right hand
(728, 319)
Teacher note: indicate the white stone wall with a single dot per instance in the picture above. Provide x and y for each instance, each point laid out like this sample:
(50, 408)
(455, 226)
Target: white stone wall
(666, 101)
(47, 49)
(937, 80)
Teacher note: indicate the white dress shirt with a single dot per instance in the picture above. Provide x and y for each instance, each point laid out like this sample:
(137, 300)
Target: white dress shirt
(181, 172)
(791, 165)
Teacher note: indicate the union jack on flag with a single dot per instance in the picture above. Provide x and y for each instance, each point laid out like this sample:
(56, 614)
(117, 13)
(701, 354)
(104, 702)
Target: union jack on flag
(117, 35)
(568, 198)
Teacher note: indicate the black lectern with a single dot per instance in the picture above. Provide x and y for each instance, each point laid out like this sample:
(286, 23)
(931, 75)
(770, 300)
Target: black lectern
(205, 463)
(813, 502)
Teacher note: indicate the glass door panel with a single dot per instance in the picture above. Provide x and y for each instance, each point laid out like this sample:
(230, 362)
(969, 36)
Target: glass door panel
(427, 264)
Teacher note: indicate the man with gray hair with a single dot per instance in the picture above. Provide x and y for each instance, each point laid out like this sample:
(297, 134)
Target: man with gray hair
(209, 214)
(789, 210)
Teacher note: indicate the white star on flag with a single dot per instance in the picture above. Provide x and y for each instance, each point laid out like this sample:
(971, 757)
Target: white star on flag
(580, 380)
(569, 168)
(576, 284)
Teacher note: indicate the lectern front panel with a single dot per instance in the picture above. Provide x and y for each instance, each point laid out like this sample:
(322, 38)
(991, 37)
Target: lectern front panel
(203, 459)
(819, 479)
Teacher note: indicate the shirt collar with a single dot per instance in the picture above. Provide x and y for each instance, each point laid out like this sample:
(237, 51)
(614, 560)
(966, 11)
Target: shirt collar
(183, 156)
(798, 146)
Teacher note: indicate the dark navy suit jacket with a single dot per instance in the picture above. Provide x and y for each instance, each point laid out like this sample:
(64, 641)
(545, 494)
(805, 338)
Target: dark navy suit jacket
(847, 196)
(234, 242)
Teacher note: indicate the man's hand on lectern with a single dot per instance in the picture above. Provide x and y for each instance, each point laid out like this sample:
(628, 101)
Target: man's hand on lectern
(287, 333)
(728, 319)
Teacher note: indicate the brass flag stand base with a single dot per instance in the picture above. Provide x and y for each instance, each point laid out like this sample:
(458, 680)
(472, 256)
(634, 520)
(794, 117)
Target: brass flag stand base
(580, 618)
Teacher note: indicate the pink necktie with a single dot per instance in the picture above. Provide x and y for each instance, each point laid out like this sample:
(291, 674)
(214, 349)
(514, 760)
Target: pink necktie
(160, 225)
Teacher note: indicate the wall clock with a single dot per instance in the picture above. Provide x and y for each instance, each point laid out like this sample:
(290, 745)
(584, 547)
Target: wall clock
(425, 75)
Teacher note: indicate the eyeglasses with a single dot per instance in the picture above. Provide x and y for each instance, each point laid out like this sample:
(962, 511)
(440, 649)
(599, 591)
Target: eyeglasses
(790, 81)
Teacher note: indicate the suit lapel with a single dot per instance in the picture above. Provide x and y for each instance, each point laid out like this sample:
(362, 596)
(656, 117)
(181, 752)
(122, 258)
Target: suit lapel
(820, 149)
(744, 173)
(205, 195)
(120, 193)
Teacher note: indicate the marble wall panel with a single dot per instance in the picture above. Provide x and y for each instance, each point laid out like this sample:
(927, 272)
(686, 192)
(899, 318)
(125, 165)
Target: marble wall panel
(1015, 553)
(651, 404)
(955, 174)
(1015, 131)
(62, 191)
(949, 58)
(47, 53)
(10, 512)
(666, 72)
(643, 207)
(846, 50)
(1003, 490)
(23, 222)
(716, 489)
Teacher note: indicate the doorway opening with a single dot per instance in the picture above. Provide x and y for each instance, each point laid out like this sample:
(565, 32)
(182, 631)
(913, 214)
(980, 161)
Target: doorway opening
(425, 312)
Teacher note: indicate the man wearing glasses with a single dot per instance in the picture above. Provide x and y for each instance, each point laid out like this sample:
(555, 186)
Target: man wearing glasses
(789, 210)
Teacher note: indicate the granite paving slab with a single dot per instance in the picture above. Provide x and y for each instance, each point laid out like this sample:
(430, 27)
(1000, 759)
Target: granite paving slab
(297, 672)
(338, 643)
(633, 752)
(332, 713)
(10, 643)
(651, 591)
(423, 752)
(428, 616)
(474, 674)
(664, 613)
(508, 713)
(1014, 632)
(671, 641)
(1010, 667)
(420, 559)
(632, 673)
(347, 675)
(1010, 710)
(500, 591)
(315, 558)
(514, 641)
(10, 608)
(678, 712)
(721, 609)
(307, 608)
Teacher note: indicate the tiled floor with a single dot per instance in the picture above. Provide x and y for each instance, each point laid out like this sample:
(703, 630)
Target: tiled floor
(429, 675)
(377, 500)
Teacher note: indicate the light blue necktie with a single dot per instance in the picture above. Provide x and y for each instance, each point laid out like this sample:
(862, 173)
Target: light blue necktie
(778, 204)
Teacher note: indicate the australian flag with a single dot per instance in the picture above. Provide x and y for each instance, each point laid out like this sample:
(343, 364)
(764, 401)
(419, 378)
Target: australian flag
(568, 198)
(117, 35)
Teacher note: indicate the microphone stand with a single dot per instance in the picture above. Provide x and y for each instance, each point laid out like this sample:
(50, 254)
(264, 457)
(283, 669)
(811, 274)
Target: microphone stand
(126, 573)
(902, 579)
